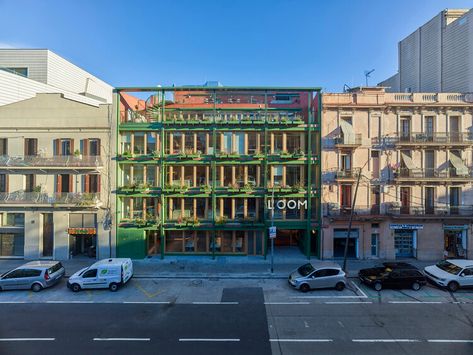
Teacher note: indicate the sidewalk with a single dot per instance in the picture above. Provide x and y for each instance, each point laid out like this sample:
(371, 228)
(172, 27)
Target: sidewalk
(236, 267)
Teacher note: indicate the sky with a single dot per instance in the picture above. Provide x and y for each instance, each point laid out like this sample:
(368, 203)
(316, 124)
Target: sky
(237, 42)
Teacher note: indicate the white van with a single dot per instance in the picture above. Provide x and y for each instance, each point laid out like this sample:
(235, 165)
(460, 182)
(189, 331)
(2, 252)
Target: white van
(106, 273)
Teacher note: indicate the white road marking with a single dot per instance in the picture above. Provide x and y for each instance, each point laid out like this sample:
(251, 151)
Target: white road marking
(205, 339)
(341, 324)
(288, 303)
(359, 289)
(27, 339)
(415, 302)
(302, 340)
(71, 302)
(449, 341)
(214, 302)
(122, 339)
(146, 302)
(306, 324)
(11, 302)
(348, 302)
(385, 340)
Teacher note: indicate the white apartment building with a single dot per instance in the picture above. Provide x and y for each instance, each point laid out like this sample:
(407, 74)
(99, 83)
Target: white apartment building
(55, 159)
(415, 154)
(437, 57)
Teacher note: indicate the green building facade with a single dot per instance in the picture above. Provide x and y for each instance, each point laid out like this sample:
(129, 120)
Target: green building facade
(208, 169)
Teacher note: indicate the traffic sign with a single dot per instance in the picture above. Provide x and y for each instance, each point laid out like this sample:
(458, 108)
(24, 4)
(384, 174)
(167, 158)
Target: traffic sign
(272, 232)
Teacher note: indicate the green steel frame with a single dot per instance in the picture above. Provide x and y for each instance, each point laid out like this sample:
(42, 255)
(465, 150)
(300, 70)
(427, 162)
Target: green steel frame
(131, 239)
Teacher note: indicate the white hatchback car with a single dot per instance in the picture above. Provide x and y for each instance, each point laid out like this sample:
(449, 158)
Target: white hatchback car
(451, 273)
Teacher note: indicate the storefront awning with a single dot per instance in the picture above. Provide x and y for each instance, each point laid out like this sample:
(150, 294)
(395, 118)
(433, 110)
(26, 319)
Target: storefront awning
(348, 133)
(407, 161)
(458, 164)
(82, 231)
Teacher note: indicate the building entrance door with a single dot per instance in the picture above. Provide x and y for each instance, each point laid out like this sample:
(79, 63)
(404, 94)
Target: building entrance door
(404, 243)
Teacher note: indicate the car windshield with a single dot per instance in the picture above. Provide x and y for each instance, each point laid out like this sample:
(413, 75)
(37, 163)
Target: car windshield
(306, 269)
(449, 267)
(87, 268)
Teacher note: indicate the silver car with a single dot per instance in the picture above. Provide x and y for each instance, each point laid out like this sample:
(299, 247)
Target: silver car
(320, 275)
(34, 275)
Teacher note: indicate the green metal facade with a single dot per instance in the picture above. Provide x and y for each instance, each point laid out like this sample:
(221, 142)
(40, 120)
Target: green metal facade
(156, 216)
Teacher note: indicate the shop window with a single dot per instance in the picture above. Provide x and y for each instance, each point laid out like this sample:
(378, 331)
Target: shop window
(12, 244)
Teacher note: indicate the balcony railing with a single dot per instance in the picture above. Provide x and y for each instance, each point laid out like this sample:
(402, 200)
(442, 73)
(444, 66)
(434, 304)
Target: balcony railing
(449, 173)
(355, 140)
(430, 210)
(60, 161)
(62, 198)
(389, 209)
(346, 174)
(336, 210)
(437, 138)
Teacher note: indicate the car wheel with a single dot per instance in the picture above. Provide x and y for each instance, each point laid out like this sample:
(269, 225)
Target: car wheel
(113, 287)
(75, 287)
(453, 286)
(416, 286)
(378, 286)
(36, 287)
(340, 286)
(304, 288)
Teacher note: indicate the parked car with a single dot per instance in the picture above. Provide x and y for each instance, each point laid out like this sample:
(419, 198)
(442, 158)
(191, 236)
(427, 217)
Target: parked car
(319, 275)
(108, 273)
(34, 275)
(451, 273)
(393, 275)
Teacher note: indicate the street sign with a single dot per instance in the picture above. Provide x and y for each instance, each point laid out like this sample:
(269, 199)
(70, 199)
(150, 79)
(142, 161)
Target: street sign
(272, 232)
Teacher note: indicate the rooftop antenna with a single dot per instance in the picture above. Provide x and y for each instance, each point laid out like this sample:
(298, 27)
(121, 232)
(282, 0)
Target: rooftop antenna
(368, 75)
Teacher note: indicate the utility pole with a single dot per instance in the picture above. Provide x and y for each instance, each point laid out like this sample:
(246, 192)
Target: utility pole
(351, 218)
(272, 225)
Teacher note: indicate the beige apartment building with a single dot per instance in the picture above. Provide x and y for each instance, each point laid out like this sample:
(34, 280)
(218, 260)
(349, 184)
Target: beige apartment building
(55, 159)
(414, 153)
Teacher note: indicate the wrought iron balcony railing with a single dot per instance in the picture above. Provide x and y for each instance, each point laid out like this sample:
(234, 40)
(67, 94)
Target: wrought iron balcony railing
(62, 198)
(449, 173)
(60, 161)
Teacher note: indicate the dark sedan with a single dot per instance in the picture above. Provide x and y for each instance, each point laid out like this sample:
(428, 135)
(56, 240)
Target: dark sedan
(393, 275)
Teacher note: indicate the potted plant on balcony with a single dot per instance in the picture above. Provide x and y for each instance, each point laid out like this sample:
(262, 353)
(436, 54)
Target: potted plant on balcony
(156, 154)
(298, 153)
(285, 154)
(77, 154)
(139, 222)
(258, 155)
(205, 189)
(298, 187)
(248, 188)
(125, 155)
(220, 220)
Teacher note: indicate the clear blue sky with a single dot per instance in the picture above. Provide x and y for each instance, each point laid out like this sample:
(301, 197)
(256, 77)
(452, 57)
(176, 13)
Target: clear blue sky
(237, 42)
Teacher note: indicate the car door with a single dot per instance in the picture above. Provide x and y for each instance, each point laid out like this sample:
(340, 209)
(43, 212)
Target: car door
(331, 277)
(28, 277)
(12, 280)
(467, 278)
(89, 279)
(393, 280)
(318, 279)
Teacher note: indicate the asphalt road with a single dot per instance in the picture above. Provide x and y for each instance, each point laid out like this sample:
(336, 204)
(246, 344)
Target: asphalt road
(236, 325)
(241, 322)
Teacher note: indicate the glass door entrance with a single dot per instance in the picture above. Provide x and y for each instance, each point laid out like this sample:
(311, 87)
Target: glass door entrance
(404, 243)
